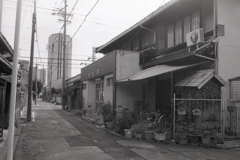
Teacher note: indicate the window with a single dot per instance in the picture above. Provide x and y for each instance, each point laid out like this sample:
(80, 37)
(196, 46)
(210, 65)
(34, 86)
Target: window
(145, 40)
(195, 21)
(178, 32)
(170, 36)
(109, 82)
(99, 91)
(136, 44)
(186, 27)
(84, 86)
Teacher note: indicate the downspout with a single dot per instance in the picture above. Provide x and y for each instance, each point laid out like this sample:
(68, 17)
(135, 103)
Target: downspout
(215, 32)
(114, 82)
(154, 33)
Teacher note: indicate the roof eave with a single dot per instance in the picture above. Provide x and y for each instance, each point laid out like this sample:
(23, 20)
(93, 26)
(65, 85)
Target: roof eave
(150, 16)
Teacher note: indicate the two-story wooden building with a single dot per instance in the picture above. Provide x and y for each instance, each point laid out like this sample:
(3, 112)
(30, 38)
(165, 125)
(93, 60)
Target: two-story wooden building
(178, 38)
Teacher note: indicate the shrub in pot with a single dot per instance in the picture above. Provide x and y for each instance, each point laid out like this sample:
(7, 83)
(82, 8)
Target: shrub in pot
(123, 125)
(149, 133)
(160, 133)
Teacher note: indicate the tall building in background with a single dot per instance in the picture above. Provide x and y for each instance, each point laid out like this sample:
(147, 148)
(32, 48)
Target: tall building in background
(55, 54)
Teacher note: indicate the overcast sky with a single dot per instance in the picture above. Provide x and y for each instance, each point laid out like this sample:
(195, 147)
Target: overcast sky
(108, 19)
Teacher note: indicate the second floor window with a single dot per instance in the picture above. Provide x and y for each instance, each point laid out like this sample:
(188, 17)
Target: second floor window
(186, 27)
(170, 36)
(195, 21)
(136, 44)
(145, 40)
(178, 32)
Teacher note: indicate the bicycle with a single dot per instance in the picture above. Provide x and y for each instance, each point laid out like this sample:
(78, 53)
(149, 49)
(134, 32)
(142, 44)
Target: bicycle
(87, 113)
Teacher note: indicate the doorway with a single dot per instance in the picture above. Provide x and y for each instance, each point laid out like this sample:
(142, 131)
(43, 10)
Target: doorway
(163, 95)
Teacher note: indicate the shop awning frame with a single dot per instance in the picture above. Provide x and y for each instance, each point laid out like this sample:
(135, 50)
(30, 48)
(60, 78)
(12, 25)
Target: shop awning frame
(200, 78)
(156, 71)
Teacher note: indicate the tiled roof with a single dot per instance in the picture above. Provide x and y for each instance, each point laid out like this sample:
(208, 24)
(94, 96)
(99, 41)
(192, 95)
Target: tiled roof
(6, 44)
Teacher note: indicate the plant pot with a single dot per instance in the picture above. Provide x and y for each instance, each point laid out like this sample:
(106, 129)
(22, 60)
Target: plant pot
(160, 136)
(138, 135)
(231, 109)
(191, 129)
(183, 141)
(148, 135)
(194, 139)
(205, 140)
(128, 133)
(197, 113)
(181, 112)
(109, 125)
(183, 136)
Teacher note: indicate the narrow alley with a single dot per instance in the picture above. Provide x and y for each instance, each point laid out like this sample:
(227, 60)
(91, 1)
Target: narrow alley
(56, 134)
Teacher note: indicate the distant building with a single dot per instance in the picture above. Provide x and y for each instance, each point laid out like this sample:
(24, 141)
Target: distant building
(24, 66)
(42, 76)
(55, 54)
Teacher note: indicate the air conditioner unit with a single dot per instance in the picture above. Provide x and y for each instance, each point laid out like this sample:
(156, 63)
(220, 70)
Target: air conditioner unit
(195, 37)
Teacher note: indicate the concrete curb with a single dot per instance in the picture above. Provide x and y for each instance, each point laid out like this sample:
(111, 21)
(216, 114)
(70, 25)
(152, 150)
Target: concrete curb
(73, 112)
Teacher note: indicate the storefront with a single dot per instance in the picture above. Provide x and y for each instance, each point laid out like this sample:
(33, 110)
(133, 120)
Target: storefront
(99, 79)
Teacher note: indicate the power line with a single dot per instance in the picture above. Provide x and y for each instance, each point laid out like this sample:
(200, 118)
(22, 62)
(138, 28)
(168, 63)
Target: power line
(57, 58)
(37, 42)
(83, 22)
(72, 9)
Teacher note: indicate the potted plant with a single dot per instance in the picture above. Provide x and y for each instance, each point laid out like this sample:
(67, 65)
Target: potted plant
(182, 108)
(196, 112)
(160, 133)
(123, 125)
(108, 115)
(206, 140)
(138, 132)
(149, 133)
(108, 120)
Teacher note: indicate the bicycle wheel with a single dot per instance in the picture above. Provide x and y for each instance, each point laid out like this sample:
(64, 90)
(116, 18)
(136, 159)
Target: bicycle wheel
(165, 121)
(86, 114)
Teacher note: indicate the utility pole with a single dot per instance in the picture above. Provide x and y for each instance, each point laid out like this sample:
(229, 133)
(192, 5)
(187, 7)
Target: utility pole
(64, 56)
(29, 109)
(36, 86)
(1, 10)
(14, 82)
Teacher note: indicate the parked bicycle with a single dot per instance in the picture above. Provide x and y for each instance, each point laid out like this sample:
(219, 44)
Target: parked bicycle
(88, 113)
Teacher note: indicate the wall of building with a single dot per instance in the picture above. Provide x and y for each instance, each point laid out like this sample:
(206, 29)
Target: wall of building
(128, 93)
(228, 55)
(99, 68)
(89, 94)
(108, 90)
(127, 64)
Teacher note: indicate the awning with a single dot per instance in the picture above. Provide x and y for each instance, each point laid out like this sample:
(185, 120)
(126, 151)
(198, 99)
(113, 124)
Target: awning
(200, 78)
(72, 87)
(155, 71)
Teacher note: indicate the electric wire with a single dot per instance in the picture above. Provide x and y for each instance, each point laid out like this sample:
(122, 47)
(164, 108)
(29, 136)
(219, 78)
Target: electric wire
(82, 22)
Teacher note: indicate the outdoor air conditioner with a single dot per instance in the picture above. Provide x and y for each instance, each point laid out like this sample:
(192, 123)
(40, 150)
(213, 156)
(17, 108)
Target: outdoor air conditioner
(195, 37)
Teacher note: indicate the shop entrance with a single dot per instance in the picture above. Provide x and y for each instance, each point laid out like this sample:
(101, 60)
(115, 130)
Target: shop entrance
(99, 94)
(163, 95)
